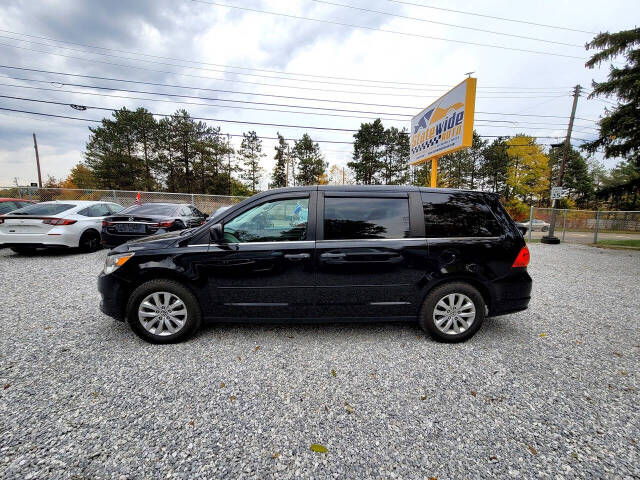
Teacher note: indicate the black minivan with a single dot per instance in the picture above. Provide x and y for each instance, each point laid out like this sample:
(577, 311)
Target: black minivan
(446, 258)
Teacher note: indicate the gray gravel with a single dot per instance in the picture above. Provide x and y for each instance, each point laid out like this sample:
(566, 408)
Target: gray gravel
(548, 393)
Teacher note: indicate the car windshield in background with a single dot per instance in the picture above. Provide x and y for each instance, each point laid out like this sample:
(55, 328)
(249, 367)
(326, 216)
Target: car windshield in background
(150, 209)
(43, 209)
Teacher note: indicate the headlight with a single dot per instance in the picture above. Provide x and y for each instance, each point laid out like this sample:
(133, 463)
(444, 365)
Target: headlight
(114, 262)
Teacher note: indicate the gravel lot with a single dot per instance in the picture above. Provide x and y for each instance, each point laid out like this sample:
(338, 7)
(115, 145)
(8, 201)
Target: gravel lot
(548, 393)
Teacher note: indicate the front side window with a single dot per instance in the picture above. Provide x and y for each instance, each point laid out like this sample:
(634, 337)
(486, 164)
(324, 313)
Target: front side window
(458, 215)
(353, 218)
(275, 221)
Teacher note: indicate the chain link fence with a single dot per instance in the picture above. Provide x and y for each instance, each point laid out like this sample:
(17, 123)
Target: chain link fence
(587, 226)
(205, 203)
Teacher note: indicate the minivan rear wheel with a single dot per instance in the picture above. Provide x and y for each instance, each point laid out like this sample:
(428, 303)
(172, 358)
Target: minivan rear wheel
(452, 312)
(163, 311)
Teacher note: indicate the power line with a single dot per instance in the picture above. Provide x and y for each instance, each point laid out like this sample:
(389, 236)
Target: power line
(446, 24)
(157, 84)
(516, 123)
(222, 120)
(395, 32)
(257, 123)
(394, 84)
(492, 16)
(222, 80)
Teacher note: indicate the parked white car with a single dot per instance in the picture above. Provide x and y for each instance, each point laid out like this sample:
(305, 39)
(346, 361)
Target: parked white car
(61, 223)
(537, 225)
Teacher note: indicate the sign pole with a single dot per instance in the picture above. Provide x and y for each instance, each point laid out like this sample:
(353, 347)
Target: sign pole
(434, 172)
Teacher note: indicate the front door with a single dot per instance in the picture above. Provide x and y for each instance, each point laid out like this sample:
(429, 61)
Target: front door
(370, 261)
(264, 267)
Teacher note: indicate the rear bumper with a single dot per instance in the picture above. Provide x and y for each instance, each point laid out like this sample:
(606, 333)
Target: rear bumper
(112, 295)
(39, 240)
(113, 240)
(512, 293)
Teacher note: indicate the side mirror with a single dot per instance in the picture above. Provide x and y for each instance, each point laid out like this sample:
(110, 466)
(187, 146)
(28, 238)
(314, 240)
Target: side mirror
(216, 233)
(206, 215)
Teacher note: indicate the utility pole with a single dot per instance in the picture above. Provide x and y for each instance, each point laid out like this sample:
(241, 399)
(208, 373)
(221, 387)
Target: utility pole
(35, 146)
(229, 159)
(550, 237)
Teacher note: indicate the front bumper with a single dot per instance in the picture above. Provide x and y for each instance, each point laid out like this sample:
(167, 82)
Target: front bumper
(113, 297)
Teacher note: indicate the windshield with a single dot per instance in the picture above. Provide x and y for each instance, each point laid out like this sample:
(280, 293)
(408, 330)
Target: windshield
(150, 209)
(43, 209)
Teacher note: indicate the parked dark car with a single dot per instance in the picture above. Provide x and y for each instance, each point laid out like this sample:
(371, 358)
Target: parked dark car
(147, 219)
(10, 204)
(446, 258)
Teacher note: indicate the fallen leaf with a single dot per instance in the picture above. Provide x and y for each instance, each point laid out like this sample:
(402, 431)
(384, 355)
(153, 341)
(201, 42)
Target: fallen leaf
(349, 408)
(192, 423)
(622, 372)
(543, 334)
(423, 397)
(222, 385)
(257, 348)
(316, 447)
(275, 455)
(419, 339)
(47, 328)
(579, 342)
(493, 457)
(433, 478)
(94, 394)
(533, 450)
(333, 372)
(618, 354)
(6, 385)
(373, 375)
(473, 393)
(232, 398)
(239, 358)
(326, 409)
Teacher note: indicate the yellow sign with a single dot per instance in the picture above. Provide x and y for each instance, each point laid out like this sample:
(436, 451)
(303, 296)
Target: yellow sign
(444, 126)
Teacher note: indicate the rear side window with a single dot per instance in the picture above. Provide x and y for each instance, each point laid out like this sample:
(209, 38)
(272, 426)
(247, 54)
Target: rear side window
(151, 209)
(458, 215)
(115, 208)
(8, 206)
(44, 209)
(353, 218)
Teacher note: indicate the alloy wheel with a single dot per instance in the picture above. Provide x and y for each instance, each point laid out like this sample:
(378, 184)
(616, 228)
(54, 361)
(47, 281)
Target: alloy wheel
(162, 313)
(454, 313)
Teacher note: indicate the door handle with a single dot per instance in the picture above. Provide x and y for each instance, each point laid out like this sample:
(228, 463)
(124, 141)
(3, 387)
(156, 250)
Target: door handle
(328, 256)
(295, 257)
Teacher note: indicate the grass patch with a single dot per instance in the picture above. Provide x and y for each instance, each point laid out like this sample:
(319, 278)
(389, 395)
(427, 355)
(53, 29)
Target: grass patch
(621, 243)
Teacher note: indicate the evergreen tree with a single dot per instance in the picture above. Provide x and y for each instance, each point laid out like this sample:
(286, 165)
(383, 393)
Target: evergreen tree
(493, 168)
(279, 175)
(250, 153)
(620, 127)
(311, 164)
(367, 150)
(394, 157)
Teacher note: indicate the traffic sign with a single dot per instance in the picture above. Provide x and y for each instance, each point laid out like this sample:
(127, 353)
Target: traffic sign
(556, 193)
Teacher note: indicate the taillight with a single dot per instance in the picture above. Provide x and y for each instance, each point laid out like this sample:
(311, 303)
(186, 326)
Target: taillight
(106, 224)
(166, 224)
(58, 221)
(522, 260)
(1, 220)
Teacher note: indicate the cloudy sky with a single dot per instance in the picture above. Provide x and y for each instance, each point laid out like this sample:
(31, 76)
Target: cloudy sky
(296, 63)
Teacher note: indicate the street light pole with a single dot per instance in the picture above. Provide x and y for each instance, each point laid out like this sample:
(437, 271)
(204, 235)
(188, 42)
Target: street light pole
(550, 237)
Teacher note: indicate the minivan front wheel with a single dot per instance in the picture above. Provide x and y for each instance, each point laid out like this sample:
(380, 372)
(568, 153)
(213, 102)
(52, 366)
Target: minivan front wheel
(452, 312)
(163, 311)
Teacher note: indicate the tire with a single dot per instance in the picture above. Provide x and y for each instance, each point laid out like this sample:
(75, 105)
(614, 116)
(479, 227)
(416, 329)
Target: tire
(23, 250)
(89, 241)
(545, 229)
(453, 329)
(165, 291)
